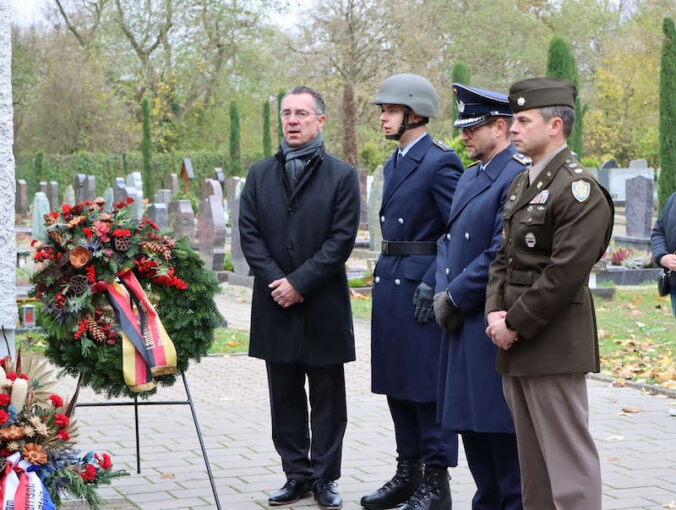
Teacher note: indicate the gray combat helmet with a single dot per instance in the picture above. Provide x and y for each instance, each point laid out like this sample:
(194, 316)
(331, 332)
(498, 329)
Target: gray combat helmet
(409, 90)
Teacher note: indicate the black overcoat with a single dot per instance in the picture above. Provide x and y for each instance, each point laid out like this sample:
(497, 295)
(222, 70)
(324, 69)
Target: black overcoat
(306, 236)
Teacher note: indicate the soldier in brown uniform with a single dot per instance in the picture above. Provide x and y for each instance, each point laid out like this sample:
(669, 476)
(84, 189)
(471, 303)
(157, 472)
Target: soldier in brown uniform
(557, 224)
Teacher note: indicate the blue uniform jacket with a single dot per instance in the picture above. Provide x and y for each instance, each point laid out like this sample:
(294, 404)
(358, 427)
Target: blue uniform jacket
(417, 196)
(470, 389)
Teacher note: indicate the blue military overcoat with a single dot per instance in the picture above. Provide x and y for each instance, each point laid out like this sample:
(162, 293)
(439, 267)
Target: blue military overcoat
(470, 389)
(417, 195)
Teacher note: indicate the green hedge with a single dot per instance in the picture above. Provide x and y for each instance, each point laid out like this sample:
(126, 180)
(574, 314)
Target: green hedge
(64, 167)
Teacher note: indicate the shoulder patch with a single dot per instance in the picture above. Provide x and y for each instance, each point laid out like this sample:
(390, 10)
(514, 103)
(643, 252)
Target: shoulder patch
(580, 190)
(524, 160)
(474, 163)
(441, 145)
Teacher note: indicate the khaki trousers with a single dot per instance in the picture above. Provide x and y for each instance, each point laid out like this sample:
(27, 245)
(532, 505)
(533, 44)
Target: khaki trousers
(560, 468)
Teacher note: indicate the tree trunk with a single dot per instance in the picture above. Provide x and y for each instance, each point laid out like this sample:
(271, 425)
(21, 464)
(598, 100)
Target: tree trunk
(349, 122)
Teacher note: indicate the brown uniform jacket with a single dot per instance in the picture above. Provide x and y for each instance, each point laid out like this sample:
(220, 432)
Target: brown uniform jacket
(554, 231)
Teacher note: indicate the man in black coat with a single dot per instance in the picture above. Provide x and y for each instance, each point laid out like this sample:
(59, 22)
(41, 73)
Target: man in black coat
(298, 219)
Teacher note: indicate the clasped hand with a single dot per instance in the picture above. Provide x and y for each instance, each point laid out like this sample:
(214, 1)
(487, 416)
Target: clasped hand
(284, 293)
(498, 331)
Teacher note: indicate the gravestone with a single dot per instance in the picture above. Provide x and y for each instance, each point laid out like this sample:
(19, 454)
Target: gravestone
(158, 214)
(220, 177)
(638, 163)
(162, 196)
(171, 183)
(211, 187)
(135, 180)
(234, 186)
(618, 177)
(604, 173)
(181, 219)
(119, 189)
(53, 195)
(211, 233)
(137, 206)
(21, 199)
(89, 191)
(363, 198)
(42, 187)
(78, 186)
(109, 197)
(374, 203)
(40, 208)
(608, 164)
(69, 195)
(187, 173)
(639, 206)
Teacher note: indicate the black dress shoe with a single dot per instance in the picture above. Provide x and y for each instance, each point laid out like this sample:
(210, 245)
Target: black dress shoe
(292, 491)
(398, 489)
(326, 495)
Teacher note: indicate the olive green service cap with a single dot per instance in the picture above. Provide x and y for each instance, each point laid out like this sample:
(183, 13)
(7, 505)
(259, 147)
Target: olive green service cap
(541, 92)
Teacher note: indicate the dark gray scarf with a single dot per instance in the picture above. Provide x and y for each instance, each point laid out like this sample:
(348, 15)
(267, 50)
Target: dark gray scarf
(295, 158)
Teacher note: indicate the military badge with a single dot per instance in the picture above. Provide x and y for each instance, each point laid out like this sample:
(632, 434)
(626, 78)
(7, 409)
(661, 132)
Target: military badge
(530, 240)
(540, 198)
(521, 101)
(461, 107)
(581, 190)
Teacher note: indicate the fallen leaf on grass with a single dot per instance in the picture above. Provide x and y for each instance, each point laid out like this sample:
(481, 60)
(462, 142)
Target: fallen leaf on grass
(613, 459)
(615, 438)
(635, 313)
(240, 300)
(167, 476)
(631, 410)
(232, 344)
(619, 383)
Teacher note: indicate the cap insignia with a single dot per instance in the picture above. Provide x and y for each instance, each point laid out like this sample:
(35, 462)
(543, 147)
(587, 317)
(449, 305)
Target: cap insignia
(521, 101)
(461, 107)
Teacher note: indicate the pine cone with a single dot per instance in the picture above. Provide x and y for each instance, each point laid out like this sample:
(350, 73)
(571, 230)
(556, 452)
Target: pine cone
(153, 247)
(95, 330)
(56, 236)
(78, 220)
(122, 243)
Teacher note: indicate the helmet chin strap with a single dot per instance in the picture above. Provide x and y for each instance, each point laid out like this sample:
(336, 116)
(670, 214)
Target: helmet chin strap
(405, 125)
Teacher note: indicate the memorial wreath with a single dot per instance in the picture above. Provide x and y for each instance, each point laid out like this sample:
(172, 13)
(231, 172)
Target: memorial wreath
(124, 306)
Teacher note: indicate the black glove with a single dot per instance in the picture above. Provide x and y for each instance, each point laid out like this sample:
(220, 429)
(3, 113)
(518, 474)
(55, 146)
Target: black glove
(423, 301)
(447, 315)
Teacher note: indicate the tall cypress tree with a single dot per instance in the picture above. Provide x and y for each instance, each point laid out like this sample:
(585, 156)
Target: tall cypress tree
(147, 149)
(459, 74)
(280, 96)
(235, 157)
(667, 180)
(267, 143)
(561, 64)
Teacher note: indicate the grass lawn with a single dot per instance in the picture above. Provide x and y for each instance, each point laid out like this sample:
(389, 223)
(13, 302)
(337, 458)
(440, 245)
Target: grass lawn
(229, 340)
(637, 335)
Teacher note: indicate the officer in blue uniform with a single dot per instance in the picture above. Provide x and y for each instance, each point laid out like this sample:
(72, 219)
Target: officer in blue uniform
(420, 178)
(471, 401)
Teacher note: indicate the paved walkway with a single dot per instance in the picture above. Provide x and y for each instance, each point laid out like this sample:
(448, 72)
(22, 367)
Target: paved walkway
(638, 450)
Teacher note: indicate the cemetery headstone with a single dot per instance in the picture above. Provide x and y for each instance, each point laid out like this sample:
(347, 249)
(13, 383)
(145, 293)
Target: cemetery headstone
(220, 177)
(211, 187)
(639, 206)
(137, 206)
(90, 188)
(69, 195)
(171, 183)
(211, 233)
(162, 196)
(135, 180)
(638, 163)
(158, 214)
(40, 208)
(78, 186)
(109, 197)
(42, 186)
(21, 200)
(374, 203)
(234, 186)
(363, 202)
(181, 218)
(53, 195)
(187, 173)
(119, 189)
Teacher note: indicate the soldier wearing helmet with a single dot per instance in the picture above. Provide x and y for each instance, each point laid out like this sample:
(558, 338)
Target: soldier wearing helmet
(419, 182)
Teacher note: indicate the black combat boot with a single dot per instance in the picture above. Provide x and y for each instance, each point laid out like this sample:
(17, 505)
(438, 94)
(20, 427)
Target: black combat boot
(397, 490)
(434, 492)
